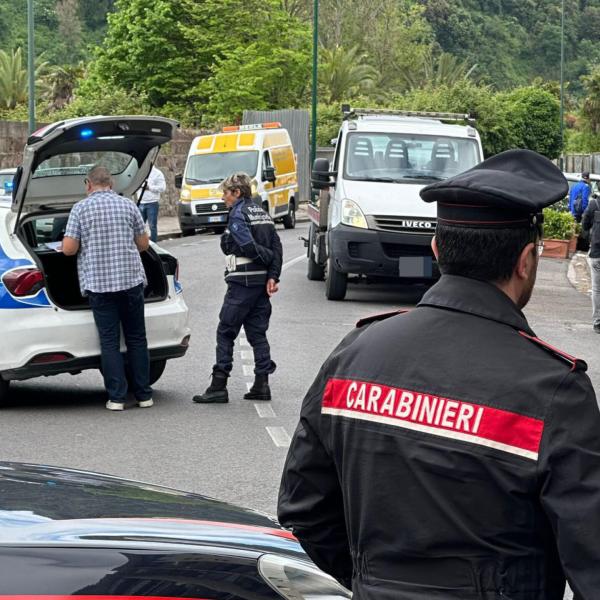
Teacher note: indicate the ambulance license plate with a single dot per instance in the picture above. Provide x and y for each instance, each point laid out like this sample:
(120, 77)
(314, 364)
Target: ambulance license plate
(415, 266)
(216, 219)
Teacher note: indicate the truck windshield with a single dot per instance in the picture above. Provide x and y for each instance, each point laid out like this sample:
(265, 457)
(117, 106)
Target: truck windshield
(213, 168)
(400, 158)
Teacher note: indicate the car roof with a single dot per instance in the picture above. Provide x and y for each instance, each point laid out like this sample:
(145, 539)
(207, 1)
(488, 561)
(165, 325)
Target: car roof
(54, 504)
(417, 125)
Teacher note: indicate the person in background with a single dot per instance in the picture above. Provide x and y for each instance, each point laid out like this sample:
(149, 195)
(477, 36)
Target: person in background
(107, 233)
(253, 257)
(579, 196)
(446, 452)
(591, 224)
(150, 202)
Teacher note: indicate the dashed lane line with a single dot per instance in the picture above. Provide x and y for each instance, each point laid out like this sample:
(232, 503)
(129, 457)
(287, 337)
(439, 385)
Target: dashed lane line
(279, 436)
(247, 354)
(265, 411)
(248, 370)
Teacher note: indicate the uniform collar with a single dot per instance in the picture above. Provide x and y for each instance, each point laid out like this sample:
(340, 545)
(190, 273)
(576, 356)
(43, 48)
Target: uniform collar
(477, 298)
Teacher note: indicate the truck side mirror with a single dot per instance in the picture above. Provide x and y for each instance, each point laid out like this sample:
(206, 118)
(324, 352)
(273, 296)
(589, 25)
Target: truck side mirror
(268, 174)
(178, 181)
(320, 174)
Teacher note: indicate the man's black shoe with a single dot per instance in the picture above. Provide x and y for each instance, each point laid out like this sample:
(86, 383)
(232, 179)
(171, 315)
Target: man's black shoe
(260, 389)
(597, 327)
(212, 397)
(216, 392)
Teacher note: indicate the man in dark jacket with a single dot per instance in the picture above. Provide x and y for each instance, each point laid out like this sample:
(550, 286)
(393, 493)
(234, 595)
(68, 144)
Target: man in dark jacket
(579, 196)
(591, 221)
(253, 255)
(447, 452)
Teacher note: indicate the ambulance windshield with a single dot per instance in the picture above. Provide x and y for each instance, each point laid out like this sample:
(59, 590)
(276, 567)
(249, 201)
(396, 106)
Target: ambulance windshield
(214, 167)
(400, 158)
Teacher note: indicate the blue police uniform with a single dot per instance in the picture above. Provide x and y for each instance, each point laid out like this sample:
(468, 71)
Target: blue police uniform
(254, 256)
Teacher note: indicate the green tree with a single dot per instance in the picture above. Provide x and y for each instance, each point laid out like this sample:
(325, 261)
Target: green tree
(591, 102)
(13, 78)
(443, 69)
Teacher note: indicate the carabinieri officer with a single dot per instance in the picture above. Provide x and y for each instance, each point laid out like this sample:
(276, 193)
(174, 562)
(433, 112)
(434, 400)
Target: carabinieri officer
(446, 452)
(253, 256)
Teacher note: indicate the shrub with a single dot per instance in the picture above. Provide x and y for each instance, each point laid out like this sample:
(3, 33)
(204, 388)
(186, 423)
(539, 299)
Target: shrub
(558, 225)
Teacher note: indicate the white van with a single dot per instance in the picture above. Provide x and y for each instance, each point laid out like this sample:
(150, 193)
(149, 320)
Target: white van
(371, 220)
(263, 151)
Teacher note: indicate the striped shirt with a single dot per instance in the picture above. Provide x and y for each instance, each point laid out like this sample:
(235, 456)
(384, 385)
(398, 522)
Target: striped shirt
(105, 225)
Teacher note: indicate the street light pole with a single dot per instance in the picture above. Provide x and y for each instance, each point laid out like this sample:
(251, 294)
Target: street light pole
(31, 65)
(562, 83)
(313, 118)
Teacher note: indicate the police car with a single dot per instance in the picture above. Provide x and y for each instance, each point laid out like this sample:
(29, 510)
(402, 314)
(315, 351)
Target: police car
(47, 325)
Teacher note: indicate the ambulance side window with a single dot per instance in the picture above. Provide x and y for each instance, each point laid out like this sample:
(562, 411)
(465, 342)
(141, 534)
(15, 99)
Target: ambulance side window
(266, 160)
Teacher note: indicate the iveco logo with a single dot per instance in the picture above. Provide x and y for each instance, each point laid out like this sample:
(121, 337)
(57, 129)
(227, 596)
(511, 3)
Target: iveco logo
(214, 207)
(418, 224)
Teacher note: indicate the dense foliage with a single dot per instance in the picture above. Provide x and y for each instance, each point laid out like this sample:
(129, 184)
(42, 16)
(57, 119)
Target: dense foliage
(205, 61)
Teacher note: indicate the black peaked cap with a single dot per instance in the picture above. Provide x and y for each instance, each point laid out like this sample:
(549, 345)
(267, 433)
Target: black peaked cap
(507, 190)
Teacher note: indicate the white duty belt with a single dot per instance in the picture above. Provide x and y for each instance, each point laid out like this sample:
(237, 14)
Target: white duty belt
(232, 262)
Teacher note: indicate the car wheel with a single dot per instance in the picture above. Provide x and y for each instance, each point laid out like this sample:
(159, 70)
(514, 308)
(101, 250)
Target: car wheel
(335, 282)
(289, 221)
(185, 232)
(157, 368)
(219, 230)
(4, 385)
(314, 272)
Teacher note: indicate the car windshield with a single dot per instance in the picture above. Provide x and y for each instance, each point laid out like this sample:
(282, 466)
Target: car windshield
(406, 158)
(79, 163)
(213, 168)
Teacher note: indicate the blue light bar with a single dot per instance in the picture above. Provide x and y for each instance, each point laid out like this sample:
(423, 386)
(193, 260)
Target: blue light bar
(86, 133)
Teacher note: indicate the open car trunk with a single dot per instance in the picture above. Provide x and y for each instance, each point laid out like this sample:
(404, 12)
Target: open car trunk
(60, 271)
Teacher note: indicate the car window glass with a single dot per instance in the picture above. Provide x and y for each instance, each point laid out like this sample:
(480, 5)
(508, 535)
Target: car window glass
(79, 163)
(48, 229)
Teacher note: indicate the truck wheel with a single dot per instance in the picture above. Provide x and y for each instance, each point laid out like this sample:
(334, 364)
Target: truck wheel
(289, 221)
(4, 385)
(185, 232)
(335, 282)
(315, 271)
(157, 368)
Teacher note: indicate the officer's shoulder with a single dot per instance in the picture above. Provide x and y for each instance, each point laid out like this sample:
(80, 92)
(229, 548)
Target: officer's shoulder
(380, 317)
(575, 364)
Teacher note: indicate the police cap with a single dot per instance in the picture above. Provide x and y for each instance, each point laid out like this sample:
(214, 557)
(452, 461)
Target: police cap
(507, 190)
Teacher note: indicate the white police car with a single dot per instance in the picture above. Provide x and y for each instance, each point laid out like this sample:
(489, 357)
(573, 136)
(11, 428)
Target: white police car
(47, 326)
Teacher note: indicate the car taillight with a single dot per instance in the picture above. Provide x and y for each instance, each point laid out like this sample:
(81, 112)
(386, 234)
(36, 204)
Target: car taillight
(23, 282)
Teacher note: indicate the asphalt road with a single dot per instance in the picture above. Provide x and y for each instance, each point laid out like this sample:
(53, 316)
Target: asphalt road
(235, 452)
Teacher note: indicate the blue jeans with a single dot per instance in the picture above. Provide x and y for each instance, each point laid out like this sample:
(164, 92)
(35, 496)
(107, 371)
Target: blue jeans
(111, 311)
(150, 215)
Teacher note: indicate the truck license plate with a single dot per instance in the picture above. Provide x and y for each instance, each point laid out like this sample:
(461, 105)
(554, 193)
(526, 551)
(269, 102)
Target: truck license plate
(216, 219)
(415, 266)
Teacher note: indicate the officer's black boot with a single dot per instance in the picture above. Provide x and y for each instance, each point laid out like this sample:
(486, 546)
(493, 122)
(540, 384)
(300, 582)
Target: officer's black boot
(260, 389)
(216, 392)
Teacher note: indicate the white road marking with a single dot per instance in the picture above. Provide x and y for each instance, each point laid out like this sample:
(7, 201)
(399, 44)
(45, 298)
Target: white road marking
(264, 410)
(248, 370)
(248, 385)
(279, 436)
(243, 341)
(292, 262)
(247, 355)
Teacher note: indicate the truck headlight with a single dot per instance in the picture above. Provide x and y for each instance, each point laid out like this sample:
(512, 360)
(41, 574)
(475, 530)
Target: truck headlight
(185, 195)
(352, 215)
(299, 580)
(254, 187)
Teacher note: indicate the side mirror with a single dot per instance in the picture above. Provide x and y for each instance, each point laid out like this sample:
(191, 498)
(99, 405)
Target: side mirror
(178, 181)
(333, 141)
(320, 174)
(268, 174)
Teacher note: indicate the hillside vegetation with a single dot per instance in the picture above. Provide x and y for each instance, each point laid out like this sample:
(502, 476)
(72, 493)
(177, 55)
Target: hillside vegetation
(205, 61)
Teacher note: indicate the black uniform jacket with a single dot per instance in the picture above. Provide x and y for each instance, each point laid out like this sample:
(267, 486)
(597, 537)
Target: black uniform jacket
(251, 234)
(591, 221)
(446, 453)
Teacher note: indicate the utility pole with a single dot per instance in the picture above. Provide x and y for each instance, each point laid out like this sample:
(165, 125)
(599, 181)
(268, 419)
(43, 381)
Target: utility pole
(562, 84)
(31, 65)
(315, 57)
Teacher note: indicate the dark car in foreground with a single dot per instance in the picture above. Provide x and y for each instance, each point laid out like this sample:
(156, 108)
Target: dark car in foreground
(74, 533)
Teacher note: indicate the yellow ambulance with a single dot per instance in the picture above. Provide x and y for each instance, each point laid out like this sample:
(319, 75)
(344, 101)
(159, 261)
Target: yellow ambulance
(264, 151)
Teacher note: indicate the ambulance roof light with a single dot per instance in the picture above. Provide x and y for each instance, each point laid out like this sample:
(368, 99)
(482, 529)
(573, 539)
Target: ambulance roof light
(251, 127)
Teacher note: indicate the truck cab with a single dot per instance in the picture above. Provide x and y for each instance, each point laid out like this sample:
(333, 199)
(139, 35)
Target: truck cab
(369, 220)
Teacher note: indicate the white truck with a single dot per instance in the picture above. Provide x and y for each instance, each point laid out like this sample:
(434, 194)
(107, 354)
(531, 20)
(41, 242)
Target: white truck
(369, 220)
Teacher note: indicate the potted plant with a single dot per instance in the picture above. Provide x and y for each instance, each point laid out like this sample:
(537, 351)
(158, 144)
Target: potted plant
(559, 230)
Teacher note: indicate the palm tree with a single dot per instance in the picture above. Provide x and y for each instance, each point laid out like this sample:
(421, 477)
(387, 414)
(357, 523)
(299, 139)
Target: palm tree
(445, 69)
(13, 78)
(59, 84)
(591, 103)
(343, 73)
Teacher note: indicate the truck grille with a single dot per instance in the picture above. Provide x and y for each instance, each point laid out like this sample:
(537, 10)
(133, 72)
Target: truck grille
(406, 224)
(208, 207)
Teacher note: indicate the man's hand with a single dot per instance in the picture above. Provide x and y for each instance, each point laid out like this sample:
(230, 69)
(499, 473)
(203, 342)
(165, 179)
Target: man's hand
(272, 287)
